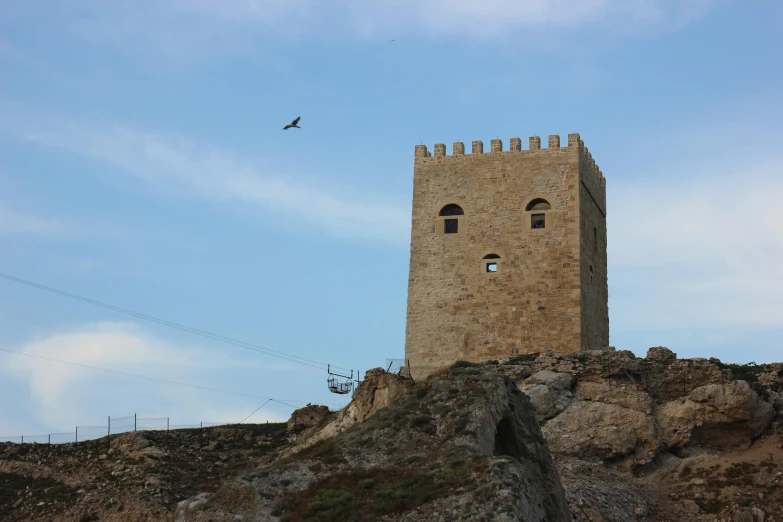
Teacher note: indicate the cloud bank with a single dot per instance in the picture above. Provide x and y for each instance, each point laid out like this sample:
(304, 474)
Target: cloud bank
(63, 395)
(700, 251)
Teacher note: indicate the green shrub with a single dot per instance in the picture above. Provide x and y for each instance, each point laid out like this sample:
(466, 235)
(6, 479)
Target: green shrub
(332, 503)
(465, 364)
(419, 420)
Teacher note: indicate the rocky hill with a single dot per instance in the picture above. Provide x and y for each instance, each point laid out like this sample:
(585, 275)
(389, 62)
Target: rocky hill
(589, 437)
(138, 476)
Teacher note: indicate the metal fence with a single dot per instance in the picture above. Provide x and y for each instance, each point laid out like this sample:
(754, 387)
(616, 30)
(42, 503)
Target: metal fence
(113, 426)
(394, 365)
(400, 367)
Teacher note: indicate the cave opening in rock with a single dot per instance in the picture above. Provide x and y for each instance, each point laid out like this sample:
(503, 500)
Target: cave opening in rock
(505, 441)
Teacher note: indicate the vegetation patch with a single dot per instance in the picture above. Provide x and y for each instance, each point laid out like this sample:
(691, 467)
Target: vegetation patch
(745, 372)
(369, 494)
(522, 359)
(465, 364)
(324, 451)
(421, 423)
(749, 373)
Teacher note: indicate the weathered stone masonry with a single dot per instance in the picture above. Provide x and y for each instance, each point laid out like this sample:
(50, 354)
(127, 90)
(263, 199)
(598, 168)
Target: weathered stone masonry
(508, 253)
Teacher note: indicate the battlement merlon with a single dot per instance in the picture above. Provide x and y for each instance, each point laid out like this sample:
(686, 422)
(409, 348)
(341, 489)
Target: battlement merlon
(515, 147)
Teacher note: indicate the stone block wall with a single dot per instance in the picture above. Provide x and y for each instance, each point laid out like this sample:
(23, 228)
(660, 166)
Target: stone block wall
(534, 301)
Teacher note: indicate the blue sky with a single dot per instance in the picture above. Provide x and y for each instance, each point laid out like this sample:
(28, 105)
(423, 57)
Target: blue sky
(142, 164)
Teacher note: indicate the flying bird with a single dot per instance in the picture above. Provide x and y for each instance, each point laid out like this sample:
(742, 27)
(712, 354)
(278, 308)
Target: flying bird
(294, 124)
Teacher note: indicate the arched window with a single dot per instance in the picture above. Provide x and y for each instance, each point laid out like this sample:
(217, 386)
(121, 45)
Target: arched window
(538, 204)
(538, 208)
(491, 266)
(451, 223)
(452, 209)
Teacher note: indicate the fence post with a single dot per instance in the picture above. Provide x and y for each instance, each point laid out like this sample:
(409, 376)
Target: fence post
(77, 433)
(50, 438)
(167, 424)
(108, 433)
(22, 439)
(134, 422)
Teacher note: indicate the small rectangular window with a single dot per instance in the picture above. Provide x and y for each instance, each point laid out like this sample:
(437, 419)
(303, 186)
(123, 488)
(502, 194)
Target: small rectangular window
(450, 226)
(537, 221)
(595, 239)
(492, 267)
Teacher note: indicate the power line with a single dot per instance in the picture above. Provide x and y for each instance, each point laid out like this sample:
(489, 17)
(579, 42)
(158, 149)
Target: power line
(267, 399)
(203, 333)
(254, 411)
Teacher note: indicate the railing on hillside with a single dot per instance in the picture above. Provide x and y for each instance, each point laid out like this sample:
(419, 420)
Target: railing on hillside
(401, 367)
(113, 426)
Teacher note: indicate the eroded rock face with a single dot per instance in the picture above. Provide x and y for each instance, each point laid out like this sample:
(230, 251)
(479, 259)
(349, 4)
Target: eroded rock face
(660, 353)
(462, 446)
(601, 430)
(622, 406)
(306, 417)
(733, 409)
(597, 493)
(771, 380)
(377, 390)
(624, 395)
(628, 411)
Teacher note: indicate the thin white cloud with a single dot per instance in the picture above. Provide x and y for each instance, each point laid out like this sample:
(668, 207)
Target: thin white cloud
(698, 251)
(176, 166)
(14, 223)
(63, 394)
(195, 29)
(451, 16)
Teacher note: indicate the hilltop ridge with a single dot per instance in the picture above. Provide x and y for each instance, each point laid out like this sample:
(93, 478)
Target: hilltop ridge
(598, 436)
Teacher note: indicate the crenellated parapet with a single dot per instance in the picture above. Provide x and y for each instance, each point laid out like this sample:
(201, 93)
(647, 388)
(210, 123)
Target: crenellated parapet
(573, 145)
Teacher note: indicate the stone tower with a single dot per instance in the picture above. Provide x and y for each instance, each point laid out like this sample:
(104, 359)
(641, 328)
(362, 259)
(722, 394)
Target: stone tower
(508, 253)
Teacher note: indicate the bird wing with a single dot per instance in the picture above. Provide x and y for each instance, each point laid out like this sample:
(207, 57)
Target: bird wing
(296, 121)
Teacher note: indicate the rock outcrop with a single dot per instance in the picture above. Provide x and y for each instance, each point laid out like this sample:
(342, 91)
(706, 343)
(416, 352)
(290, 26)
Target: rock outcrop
(465, 445)
(719, 414)
(307, 417)
(611, 405)
(377, 390)
(610, 408)
(549, 392)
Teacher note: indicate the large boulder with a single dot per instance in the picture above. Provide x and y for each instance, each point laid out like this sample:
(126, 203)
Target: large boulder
(601, 430)
(549, 392)
(306, 417)
(717, 414)
(600, 419)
